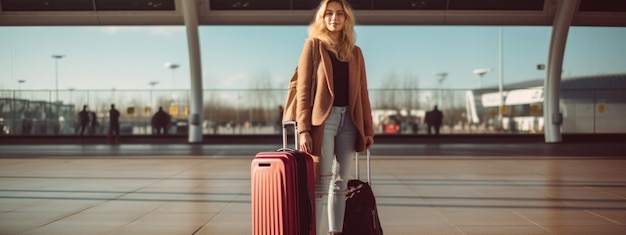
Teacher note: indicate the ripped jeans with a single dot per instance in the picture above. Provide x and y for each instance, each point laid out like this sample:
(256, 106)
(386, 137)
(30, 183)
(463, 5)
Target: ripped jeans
(336, 166)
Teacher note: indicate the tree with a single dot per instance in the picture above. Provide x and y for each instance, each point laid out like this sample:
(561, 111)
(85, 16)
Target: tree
(411, 93)
(386, 99)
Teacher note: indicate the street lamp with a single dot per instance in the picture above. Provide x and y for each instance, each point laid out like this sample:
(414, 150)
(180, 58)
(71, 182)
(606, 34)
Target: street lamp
(72, 89)
(481, 73)
(173, 67)
(19, 86)
(56, 72)
(152, 83)
(440, 78)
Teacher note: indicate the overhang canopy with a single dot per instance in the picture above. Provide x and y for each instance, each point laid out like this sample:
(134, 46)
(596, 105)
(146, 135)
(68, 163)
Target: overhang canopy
(299, 12)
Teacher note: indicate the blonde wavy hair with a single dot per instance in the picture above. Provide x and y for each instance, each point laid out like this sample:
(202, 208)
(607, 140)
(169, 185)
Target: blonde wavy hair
(345, 44)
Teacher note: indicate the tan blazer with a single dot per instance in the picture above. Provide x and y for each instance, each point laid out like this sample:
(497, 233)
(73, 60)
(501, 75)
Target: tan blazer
(312, 119)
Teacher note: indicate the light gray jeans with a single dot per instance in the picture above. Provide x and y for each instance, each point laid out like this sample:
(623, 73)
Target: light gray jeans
(336, 166)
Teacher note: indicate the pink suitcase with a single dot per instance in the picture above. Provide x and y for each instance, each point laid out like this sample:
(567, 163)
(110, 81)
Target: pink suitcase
(283, 191)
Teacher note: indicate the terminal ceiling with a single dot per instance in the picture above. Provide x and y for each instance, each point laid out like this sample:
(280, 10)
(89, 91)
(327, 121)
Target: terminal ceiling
(299, 12)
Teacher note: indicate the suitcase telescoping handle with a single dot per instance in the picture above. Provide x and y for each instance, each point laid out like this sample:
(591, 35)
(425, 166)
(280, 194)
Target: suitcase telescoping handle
(369, 175)
(295, 131)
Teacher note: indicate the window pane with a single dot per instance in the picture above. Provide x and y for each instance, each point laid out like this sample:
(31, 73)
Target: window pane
(47, 5)
(603, 5)
(305, 4)
(250, 5)
(496, 5)
(361, 4)
(137, 5)
(454, 67)
(410, 5)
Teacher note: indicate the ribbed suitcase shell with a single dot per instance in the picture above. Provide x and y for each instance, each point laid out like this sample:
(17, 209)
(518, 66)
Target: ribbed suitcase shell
(275, 200)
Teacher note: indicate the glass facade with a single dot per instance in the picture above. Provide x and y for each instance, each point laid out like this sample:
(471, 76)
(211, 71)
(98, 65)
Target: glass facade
(397, 111)
(244, 81)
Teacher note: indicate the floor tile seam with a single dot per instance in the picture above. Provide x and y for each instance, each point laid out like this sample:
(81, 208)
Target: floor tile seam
(139, 218)
(459, 205)
(44, 156)
(22, 206)
(161, 179)
(491, 158)
(532, 221)
(207, 222)
(65, 216)
(568, 204)
(592, 213)
(129, 199)
(448, 221)
(121, 192)
(80, 177)
(442, 185)
(213, 217)
(604, 192)
(604, 217)
(137, 189)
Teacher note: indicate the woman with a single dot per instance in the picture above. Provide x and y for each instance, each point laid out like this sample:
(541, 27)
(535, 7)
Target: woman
(340, 121)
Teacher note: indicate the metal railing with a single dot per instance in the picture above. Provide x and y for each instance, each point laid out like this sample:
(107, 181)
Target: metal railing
(395, 111)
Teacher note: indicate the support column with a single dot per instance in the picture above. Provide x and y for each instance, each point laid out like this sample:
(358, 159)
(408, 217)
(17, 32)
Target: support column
(190, 16)
(552, 116)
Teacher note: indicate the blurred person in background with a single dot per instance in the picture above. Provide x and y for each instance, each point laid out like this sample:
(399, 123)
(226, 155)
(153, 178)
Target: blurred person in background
(114, 124)
(160, 122)
(83, 120)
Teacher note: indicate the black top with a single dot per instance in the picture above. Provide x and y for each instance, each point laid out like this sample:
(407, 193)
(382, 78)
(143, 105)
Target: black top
(340, 80)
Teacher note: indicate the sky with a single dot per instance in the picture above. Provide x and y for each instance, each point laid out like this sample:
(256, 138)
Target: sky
(249, 57)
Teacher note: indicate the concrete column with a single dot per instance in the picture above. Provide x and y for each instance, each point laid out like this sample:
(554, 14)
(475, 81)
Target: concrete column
(552, 116)
(190, 16)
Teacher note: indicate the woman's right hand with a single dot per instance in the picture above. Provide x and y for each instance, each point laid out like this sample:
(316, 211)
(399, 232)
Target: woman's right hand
(369, 141)
(306, 142)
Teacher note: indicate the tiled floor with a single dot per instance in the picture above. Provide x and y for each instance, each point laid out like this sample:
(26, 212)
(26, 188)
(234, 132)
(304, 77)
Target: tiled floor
(211, 195)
